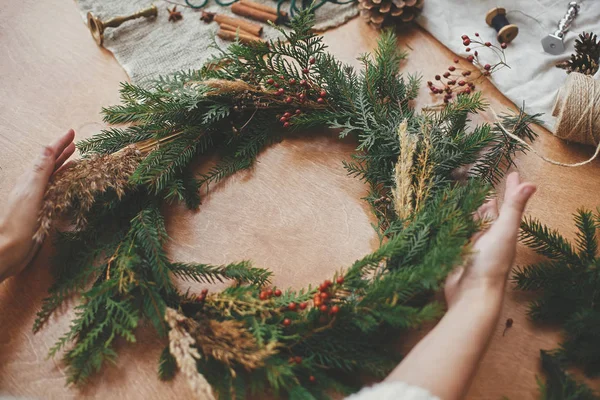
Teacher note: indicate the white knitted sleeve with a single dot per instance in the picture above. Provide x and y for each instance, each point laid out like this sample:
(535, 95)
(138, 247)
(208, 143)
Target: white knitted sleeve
(392, 391)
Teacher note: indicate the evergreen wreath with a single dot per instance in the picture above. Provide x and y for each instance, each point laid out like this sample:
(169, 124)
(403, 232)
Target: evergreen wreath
(252, 337)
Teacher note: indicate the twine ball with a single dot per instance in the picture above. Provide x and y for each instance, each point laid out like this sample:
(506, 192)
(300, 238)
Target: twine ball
(577, 109)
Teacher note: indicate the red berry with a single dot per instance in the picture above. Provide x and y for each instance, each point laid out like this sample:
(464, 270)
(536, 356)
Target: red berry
(280, 92)
(322, 288)
(467, 91)
(470, 58)
(323, 93)
(446, 74)
(461, 83)
(276, 85)
(303, 306)
(476, 34)
(429, 83)
(324, 296)
(488, 44)
(335, 309)
(288, 99)
(204, 291)
(312, 379)
(340, 280)
(476, 53)
(464, 37)
(263, 295)
(303, 82)
(452, 82)
(292, 306)
(437, 77)
(301, 96)
(467, 41)
(286, 125)
(200, 298)
(466, 73)
(486, 73)
(287, 114)
(283, 119)
(270, 292)
(291, 360)
(504, 45)
(312, 60)
(456, 60)
(327, 283)
(320, 100)
(298, 111)
(278, 292)
(305, 70)
(270, 81)
(451, 68)
(292, 81)
(298, 360)
(487, 67)
(287, 322)
(468, 49)
(323, 308)
(446, 101)
(281, 77)
(448, 90)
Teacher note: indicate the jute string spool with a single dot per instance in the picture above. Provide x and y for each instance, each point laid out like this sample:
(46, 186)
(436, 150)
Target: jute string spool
(577, 112)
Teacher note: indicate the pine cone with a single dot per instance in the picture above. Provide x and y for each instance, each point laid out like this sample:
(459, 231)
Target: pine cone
(587, 43)
(586, 57)
(384, 12)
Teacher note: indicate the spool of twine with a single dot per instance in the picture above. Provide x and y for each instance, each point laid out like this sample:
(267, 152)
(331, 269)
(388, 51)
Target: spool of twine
(577, 112)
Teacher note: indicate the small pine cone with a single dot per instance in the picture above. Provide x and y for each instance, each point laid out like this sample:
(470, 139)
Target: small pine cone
(588, 43)
(583, 64)
(385, 12)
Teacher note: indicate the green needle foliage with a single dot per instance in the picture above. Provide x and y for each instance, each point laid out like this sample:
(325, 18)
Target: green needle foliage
(252, 337)
(568, 283)
(560, 385)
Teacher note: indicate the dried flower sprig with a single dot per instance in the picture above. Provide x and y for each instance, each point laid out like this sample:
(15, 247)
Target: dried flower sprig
(182, 348)
(75, 188)
(458, 80)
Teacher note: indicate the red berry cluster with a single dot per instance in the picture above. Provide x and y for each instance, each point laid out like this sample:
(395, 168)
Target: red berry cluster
(324, 296)
(297, 92)
(456, 80)
(202, 296)
(295, 360)
(268, 293)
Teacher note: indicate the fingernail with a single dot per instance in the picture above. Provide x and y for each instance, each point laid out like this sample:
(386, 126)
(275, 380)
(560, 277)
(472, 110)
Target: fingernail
(47, 152)
(528, 190)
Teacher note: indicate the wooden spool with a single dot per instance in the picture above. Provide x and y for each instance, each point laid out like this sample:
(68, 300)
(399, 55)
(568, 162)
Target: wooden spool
(496, 18)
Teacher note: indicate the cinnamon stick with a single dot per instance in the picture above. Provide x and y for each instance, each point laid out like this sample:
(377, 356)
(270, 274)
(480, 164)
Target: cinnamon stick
(254, 29)
(231, 36)
(253, 13)
(231, 28)
(263, 7)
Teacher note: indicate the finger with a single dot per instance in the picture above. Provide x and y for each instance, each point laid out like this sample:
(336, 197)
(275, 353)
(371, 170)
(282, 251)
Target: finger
(512, 210)
(67, 152)
(63, 142)
(488, 211)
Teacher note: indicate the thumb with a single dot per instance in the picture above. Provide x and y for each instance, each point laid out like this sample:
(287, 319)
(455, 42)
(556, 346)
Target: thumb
(41, 172)
(515, 201)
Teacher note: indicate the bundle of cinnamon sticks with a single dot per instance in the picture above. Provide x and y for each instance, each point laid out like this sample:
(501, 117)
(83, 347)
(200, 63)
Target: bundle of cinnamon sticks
(231, 28)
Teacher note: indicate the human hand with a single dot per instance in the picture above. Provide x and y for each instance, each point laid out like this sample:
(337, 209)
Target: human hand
(494, 248)
(19, 220)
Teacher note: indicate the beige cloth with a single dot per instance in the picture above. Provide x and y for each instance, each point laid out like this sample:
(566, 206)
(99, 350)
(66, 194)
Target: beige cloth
(147, 48)
(392, 391)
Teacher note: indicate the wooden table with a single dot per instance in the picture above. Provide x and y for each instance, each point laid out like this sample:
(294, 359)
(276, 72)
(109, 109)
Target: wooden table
(296, 212)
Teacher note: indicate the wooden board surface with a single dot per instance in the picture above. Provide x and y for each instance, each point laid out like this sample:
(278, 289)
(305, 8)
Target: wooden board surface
(296, 212)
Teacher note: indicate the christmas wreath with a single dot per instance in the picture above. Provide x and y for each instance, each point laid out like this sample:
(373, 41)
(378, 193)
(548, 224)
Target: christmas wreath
(251, 336)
